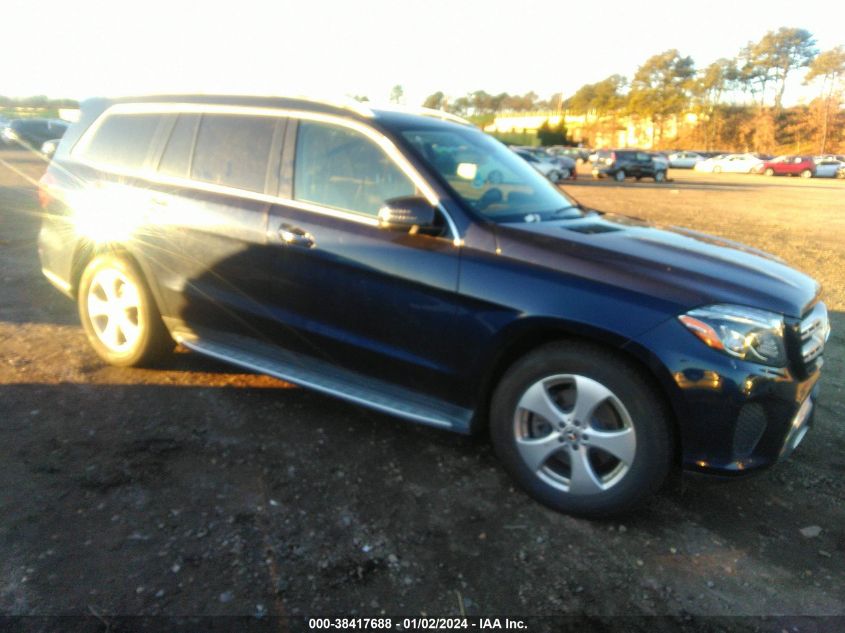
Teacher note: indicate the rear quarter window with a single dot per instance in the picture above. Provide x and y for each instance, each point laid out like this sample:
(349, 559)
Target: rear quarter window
(121, 140)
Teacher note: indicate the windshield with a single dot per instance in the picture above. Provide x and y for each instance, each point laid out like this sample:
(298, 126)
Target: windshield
(490, 178)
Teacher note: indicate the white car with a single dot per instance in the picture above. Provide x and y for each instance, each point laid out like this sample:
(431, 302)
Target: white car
(827, 168)
(549, 169)
(729, 163)
(684, 160)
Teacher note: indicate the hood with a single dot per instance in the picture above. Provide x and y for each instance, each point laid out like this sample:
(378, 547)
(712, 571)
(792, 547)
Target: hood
(685, 268)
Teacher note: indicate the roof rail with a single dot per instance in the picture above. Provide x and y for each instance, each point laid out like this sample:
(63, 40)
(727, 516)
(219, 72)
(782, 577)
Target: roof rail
(431, 112)
(346, 104)
(442, 114)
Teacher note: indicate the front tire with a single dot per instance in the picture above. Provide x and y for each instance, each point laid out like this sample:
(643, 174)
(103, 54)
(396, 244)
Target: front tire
(581, 430)
(118, 313)
(807, 173)
(554, 176)
(619, 176)
(769, 171)
(660, 176)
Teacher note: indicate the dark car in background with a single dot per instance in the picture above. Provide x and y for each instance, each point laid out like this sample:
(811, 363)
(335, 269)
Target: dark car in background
(32, 133)
(372, 255)
(620, 164)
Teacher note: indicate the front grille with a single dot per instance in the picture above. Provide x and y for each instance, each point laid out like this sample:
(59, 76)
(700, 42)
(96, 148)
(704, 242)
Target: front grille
(814, 330)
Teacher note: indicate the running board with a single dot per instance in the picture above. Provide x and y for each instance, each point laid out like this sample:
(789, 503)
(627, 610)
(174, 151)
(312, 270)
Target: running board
(326, 378)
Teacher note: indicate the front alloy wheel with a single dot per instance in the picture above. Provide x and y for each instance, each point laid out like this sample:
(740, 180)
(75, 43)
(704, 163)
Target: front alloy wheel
(581, 429)
(619, 176)
(575, 434)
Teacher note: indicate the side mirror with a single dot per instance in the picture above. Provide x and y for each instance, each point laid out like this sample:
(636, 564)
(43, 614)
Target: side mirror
(410, 213)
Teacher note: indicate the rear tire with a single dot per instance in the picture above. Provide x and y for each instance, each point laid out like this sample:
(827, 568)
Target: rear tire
(119, 314)
(554, 176)
(581, 430)
(660, 176)
(717, 170)
(769, 172)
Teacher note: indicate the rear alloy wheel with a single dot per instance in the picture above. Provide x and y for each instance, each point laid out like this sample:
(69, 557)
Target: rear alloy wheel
(619, 176)
(580, 430)
(769, 172)
(118, 313)
(565, 173)
(807, 173)
(554, 176)
(660, 176)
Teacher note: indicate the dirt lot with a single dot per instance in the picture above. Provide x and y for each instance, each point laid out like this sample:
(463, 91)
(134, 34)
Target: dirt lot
(198, 489)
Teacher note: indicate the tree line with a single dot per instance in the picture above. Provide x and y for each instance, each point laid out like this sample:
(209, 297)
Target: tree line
(734, 103)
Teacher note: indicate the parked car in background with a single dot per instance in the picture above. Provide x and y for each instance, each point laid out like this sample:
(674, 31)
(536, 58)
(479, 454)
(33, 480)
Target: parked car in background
(329, 246)
(48, 148)
(684, 160)
(803, 166)
(620, 164)
(550, 169)
(729, 163)
(828, 168)
(580, 155)
(828, 157)
(565, 164)
(32, 133)
(661, 160)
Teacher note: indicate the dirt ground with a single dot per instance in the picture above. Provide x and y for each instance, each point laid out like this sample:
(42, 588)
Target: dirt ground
(199, 489)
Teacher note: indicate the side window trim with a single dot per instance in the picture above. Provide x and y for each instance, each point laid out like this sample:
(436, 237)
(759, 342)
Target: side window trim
(294, 115)
(161, 140)
(288, 154)
(271, 178)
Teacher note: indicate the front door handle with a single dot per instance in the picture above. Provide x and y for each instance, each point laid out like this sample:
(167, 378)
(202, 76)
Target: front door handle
(295, 236)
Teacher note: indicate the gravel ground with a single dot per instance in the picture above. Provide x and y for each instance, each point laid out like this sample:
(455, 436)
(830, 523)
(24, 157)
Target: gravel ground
(199, 489)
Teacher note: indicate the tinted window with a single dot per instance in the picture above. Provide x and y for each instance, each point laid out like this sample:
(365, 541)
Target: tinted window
(487, 176)
(233, 150)
(340, 168)
(177, 153)
(122, 140)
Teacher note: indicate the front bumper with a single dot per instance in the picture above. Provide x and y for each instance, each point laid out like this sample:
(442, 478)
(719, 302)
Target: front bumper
(733, 416)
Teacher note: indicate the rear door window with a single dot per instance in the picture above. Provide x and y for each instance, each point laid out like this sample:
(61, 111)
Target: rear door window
(233, 150)
(341, 168)
(122, 140)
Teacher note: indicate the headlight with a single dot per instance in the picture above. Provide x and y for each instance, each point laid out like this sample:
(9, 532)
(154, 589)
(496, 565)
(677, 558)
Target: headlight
(745, 333)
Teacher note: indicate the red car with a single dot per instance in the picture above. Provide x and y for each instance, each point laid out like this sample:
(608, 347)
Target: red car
(788, 166)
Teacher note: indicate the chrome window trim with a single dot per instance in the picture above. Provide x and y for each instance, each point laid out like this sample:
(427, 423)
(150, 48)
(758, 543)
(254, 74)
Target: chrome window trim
(380, 139)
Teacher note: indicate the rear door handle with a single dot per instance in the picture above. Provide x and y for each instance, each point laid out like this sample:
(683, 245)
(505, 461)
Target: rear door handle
(295, 236)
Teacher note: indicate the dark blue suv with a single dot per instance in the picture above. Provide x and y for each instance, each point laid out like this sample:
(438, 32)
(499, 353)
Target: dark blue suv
(410, 263)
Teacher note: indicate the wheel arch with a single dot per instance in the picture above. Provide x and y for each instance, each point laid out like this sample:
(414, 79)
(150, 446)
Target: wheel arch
(526, 337)
(87, 251)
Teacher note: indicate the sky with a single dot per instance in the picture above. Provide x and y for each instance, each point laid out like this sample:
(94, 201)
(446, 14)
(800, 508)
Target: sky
(330, 49)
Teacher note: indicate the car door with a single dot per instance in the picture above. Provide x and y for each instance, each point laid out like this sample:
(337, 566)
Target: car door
(208, 236)
(645, 164)
(343, 290)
